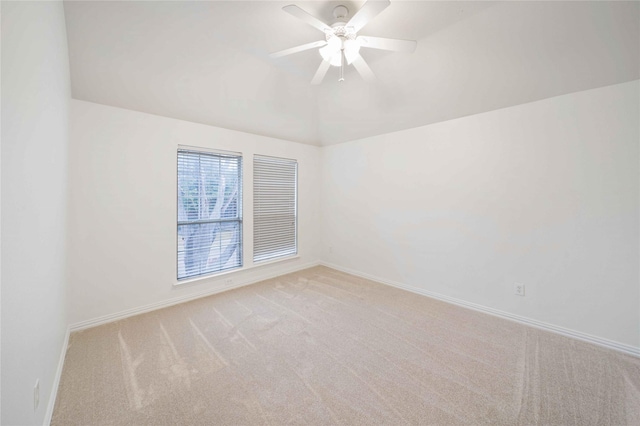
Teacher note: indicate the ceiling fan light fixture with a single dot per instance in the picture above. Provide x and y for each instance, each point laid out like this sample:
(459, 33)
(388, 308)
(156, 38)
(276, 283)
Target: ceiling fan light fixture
(331, 52)
(336, 60)
(326, 53)
(335, 43)
(331, 55)
(351, 50)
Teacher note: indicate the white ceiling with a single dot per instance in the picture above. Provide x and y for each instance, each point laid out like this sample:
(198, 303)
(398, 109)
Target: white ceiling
(207, 62)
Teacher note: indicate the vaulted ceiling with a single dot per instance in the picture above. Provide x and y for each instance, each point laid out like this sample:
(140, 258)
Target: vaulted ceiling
(208, 62)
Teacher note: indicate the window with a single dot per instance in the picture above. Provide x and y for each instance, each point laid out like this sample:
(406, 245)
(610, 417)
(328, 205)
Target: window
(275, 208)
(209, 212)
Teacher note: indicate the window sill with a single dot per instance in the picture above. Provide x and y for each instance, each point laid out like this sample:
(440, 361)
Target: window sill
(221, 275)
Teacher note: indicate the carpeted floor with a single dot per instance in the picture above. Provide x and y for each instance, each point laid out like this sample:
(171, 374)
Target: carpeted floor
(323, 347)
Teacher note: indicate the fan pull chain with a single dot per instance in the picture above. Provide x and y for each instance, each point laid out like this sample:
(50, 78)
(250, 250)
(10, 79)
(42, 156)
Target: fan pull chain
(341, 65)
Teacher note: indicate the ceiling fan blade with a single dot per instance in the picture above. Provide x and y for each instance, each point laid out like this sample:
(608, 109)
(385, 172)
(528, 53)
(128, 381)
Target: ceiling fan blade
(363, 68)
(322, 71)
(395, 45)
(366, 13)
(297, 49)
(309, 19)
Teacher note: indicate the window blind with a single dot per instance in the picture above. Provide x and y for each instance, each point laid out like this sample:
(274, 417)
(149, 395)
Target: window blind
(275, 209)
(209, 213)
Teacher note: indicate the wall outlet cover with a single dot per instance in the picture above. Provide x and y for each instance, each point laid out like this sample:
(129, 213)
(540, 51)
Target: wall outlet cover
(518, 289)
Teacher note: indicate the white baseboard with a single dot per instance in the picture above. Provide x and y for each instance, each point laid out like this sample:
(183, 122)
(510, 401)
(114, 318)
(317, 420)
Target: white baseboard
(56, 380)
(610, 344)
(176, 300)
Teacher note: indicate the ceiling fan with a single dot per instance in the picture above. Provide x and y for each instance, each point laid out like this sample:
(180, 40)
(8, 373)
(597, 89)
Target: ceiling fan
(341, 44)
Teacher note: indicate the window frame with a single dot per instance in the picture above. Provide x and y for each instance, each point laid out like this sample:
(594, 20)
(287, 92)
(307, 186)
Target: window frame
(238, 219)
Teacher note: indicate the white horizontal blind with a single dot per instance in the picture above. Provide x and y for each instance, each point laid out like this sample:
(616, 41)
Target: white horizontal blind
(275, 209)
(209, 213)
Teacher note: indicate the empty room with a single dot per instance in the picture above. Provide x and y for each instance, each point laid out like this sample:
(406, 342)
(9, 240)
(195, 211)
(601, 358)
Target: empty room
(320, 212)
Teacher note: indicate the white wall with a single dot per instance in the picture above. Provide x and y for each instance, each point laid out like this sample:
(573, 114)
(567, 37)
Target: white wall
(123, 207)
(544, 194)
(35, 109)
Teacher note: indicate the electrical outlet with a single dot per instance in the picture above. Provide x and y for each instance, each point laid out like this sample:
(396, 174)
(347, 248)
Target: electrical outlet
(228, 282)
(36, 395)
(330, 249)
(518, 289)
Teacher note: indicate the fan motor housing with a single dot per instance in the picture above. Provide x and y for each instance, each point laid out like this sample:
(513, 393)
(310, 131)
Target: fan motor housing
(340, 29)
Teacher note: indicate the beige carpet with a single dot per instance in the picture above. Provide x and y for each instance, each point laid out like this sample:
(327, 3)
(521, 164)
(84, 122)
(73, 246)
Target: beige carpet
(324, 347)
